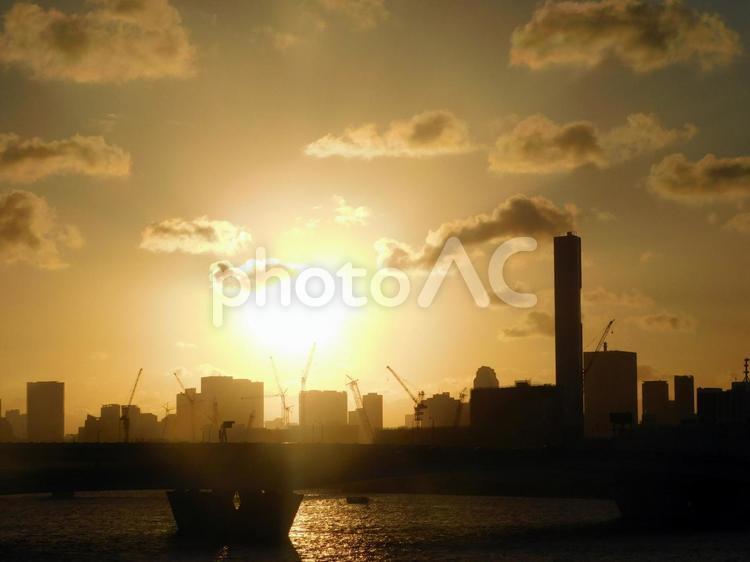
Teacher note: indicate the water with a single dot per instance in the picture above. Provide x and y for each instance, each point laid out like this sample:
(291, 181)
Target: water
(139, 526)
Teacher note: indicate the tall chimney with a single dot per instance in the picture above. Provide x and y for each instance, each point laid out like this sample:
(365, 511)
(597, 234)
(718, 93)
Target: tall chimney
(569, 334)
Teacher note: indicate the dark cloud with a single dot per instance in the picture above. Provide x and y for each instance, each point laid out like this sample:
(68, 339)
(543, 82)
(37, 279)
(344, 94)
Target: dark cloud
(197, 236)
(30, 232)
(432, 133)
(26, 160)
(535, 324)
(641, 34)
(516, 216)
(116, 41)
(664, 322)
(708, 179)
(537, 145)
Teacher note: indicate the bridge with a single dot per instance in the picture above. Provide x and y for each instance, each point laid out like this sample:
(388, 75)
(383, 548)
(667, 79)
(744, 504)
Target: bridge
(592, 471)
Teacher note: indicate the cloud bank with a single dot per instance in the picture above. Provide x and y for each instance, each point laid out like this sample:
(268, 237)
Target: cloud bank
(538, 145)
(708, 179)
(197, 236)
(642, 35)
(518, 215)
(30, 232)
(115, 41)
(432, 133)
(28, 160)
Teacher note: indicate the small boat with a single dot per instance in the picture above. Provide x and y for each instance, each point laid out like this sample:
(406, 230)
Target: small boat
(244, 516)
(363, 500)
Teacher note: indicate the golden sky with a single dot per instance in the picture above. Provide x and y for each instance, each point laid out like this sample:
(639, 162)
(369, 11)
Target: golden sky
(143, 141)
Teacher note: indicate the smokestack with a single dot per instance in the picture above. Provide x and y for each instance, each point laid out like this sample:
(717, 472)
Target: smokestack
(569, 334)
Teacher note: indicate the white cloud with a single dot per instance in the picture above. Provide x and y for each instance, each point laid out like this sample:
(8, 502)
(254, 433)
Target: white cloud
(347, 215)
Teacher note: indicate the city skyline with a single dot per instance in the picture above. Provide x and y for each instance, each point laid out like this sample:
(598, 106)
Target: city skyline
(298, 130)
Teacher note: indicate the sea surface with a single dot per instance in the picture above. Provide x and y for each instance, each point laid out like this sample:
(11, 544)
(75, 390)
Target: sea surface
(139, 526)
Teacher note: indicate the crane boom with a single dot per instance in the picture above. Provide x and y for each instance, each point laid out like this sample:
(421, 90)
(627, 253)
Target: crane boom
(125, 417)
(403, 385)
(459, 407)
(306, 371)
(602, 340)
(353, 384)
(282, 395)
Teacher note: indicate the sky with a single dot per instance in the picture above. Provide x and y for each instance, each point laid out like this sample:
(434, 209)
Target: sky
(145, 145)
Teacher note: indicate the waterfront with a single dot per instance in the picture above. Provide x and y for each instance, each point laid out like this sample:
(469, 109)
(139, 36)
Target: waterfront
(139, 526)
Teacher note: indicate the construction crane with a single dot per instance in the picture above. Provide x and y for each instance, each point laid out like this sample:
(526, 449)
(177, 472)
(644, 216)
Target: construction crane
(419, 405)
(125, 418)
(303, 380)
(602, 343)
(167, 410)
(364, 419)
(282, 395)
(191, 401)
(460, 406)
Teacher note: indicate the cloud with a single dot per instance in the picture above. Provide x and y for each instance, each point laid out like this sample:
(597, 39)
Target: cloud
(643, 35)
(30, 232)
(197, 236)
(708, 179)
(739, 223)
(601, 297)
(518, 215)
(347, 215)
(28, 160)
(115, 41)
(279, 40)
(537, 145)
(185, 345)
(535, 324)
(364, 13)
(664, 322)
(432, 133)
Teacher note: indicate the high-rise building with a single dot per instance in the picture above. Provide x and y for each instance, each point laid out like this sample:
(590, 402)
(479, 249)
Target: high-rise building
(45, 406)
(610, 387)
(485, 378)
(229, 399)
(373, 405)
(440, 411)
(18, 422)
(714, 405)
(569, 333)
(656, 410)
(684, 397)
(324, 408)
(110, 430)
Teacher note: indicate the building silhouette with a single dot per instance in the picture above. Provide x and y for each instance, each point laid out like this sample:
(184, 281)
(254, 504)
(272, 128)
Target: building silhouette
(656, 410)
(684, 397)
(440, 410)
(18, 424)
(523, 415)
(610, 387)
(45, 407)
(485, 378)
(569, 333)
(373, 405)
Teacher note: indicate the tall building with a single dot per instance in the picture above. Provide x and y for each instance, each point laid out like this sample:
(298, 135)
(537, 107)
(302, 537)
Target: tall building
(523, 415)
(440, 411)
(684, 397)
(610, 387)
(373, 405)
(229, 399)
(714, 406)
(18, 423)
(45, 407)
(656, 409)
(110, 430)
(486, 378)
(569, 333)
(323, 408)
